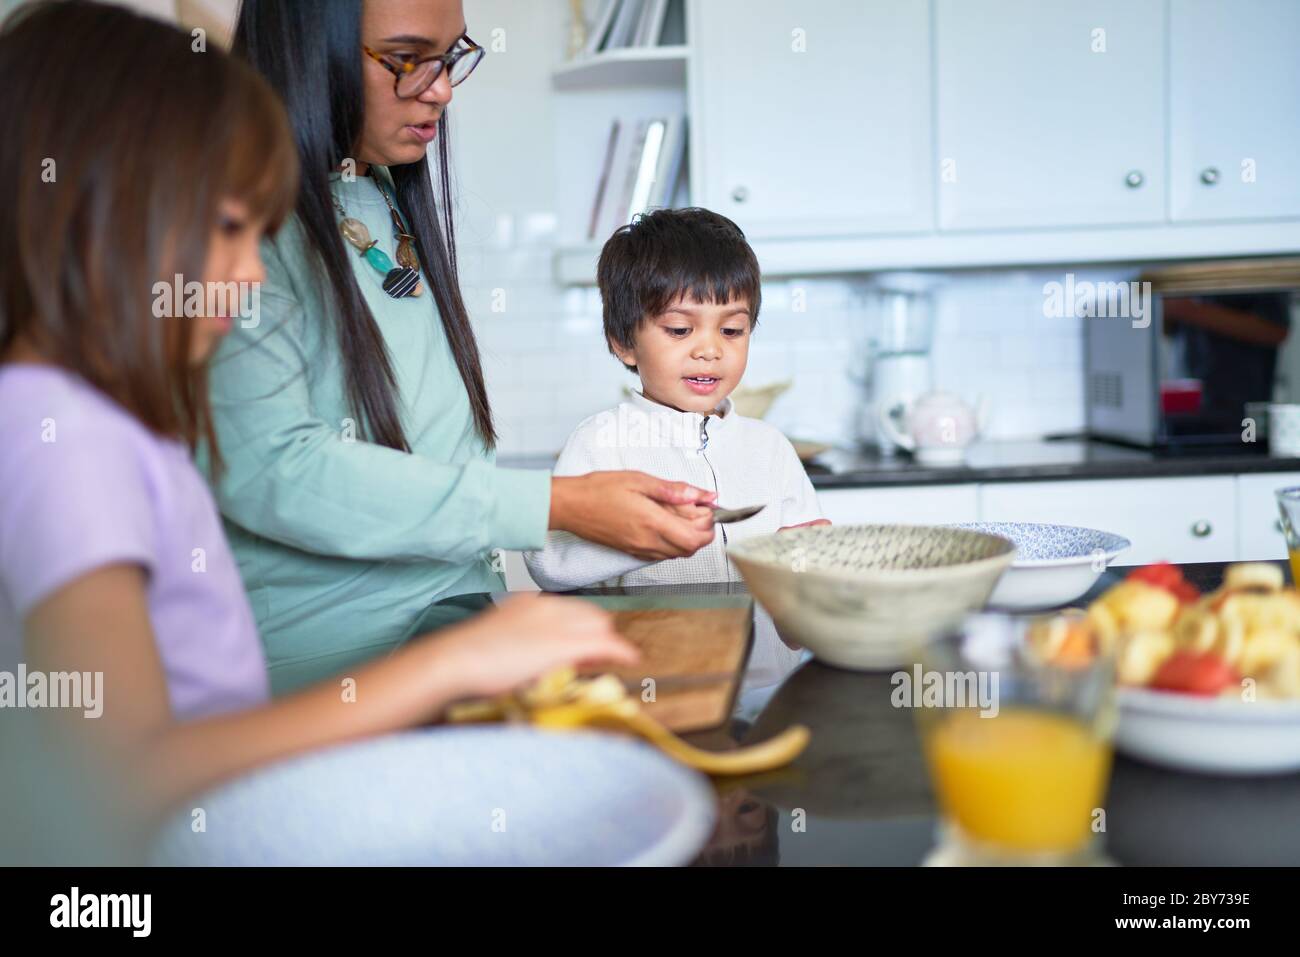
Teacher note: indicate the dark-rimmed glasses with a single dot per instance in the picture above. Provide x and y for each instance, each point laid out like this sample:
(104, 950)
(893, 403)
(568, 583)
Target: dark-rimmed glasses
(413, 77)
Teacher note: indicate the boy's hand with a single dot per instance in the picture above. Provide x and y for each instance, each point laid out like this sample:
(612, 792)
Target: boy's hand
(815, 521)
(646, 517)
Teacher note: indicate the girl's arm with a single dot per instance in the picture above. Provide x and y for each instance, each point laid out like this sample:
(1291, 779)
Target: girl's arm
(100, 623)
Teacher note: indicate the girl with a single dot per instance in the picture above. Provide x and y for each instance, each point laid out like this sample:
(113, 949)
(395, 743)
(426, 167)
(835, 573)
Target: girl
(361, 485)
(136, 163)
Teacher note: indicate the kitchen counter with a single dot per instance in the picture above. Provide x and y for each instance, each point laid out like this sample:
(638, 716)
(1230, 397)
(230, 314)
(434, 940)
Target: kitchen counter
(1016, 461)
(861, 793)
(1040, 460)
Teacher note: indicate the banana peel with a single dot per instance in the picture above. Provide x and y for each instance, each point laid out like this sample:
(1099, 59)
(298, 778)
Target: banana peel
(561, 701)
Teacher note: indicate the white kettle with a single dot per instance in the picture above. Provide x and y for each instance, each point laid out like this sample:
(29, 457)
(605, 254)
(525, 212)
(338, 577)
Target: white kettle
(937, 427)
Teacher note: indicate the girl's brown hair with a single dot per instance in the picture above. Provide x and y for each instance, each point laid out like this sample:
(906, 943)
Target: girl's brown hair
(122, 136)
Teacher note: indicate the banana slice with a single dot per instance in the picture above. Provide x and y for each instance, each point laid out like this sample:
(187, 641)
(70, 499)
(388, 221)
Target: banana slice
(1141, 655)
(1264, 649)
(1257, 575)
(1140, 606)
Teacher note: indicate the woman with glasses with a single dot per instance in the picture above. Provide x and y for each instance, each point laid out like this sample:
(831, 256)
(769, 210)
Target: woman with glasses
(360, 490)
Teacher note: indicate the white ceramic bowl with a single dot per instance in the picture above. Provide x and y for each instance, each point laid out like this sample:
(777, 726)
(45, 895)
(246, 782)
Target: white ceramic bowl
(1210, 735)
(454, 796)
(863, 596)
(1054, 564)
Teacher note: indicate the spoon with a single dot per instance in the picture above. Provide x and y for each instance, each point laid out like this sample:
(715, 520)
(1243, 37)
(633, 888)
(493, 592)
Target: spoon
(725, 516)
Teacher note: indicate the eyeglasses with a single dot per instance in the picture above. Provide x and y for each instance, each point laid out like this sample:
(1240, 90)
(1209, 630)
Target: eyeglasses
(413, 77)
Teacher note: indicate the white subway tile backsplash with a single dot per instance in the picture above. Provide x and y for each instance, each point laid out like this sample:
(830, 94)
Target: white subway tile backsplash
(547, 366)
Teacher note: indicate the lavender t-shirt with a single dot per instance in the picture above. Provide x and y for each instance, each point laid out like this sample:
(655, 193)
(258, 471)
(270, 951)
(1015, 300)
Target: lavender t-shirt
(84, 485)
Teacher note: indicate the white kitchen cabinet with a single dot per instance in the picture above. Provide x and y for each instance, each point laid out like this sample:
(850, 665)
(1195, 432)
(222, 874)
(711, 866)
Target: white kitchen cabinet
(1176, 519)
(1259, 530)
(812, 118)
(1234, 91)
(1050, 113)
(912, 505)
(858, 136)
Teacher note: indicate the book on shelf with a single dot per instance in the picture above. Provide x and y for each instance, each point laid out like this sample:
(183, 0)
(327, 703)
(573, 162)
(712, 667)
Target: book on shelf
(625, 24)
(644, 168)
(651, 23)
(600, 28)
(670, 179)
(673, 31)
(617, 202)
(620, 24)
(602, 187)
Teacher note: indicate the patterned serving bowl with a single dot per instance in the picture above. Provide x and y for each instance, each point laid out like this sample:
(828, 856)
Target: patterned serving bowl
(864, 596)
(1054, 564)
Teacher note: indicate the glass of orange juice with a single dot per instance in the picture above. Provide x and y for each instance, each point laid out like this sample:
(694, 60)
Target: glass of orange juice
(1019, 750)
(1288, 504)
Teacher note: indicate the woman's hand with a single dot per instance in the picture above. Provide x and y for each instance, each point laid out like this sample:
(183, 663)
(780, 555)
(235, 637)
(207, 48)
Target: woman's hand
(646, 517)
(524, 638)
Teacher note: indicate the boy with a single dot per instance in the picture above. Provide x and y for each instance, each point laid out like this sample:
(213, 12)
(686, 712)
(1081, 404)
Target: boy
(680, 291)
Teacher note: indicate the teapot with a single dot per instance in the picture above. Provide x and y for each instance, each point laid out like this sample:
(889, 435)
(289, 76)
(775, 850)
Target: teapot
(937, 427)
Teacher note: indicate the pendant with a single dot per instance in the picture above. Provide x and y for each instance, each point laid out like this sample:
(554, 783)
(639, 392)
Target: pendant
(355, 232)
(406, 252)
(401, 282)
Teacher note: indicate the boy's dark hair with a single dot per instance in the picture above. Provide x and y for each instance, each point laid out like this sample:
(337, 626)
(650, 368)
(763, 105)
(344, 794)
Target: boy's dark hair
(665, 254)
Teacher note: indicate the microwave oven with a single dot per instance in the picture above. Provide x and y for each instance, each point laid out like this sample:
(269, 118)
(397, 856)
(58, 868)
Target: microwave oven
(1196, 367)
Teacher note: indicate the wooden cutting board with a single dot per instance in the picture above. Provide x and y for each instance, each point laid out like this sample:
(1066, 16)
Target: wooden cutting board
(694, 649)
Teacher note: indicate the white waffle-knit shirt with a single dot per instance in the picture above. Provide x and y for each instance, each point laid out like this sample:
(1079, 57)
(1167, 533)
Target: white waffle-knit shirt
(746, 461)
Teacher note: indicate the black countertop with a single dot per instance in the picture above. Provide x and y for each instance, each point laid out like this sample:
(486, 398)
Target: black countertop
(1039, 460)
(861, 793)
(1016, 461)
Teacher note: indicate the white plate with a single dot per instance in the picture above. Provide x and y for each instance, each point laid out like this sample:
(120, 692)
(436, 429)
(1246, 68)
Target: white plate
(1054, 564)
(492, 795)
(1211, 735)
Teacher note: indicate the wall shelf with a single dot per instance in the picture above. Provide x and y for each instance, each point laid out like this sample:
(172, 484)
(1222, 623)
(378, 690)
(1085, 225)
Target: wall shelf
(626, 66)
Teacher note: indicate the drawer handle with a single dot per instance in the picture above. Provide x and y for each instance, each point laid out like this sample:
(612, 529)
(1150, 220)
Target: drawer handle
(1202, 529)
(1277, 526)
(1209, 176)
(740, 194)
(1134, 179)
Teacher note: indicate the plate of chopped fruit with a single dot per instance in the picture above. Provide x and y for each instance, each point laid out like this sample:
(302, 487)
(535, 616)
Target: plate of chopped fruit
(1207, 682)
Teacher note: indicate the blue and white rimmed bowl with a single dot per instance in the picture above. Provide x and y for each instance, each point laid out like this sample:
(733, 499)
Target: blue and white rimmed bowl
(1054, 564)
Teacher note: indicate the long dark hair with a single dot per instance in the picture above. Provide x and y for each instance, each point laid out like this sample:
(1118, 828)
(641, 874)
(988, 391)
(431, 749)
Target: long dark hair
(109, 106)
(311, 54)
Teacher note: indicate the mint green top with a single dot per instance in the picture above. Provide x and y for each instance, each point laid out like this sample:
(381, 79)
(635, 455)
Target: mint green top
(342, 543)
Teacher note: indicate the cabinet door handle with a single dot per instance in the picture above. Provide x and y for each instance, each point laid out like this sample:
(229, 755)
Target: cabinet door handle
(740, 194)
(1134, 179)
(1202, 529)
(1209, 176)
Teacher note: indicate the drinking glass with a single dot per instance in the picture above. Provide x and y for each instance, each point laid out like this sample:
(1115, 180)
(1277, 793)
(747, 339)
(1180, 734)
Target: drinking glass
(1019, 750)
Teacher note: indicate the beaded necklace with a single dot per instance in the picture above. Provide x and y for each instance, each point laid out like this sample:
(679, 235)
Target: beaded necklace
(401, 280)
